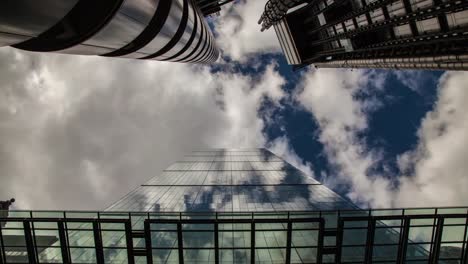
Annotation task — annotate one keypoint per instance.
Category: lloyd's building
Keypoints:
(165, 30)
(234, 206)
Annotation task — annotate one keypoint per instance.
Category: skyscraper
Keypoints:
(235, 206)
(399, 34)
(172, 30)
(231, 181)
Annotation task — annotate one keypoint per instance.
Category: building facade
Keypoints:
(235, 206)
(172, 30)
(231, 181)
(399, 34)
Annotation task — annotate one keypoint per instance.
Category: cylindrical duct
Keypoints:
(172, 30)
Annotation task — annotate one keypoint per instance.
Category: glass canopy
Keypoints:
(418, 235)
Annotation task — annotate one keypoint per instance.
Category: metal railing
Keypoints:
(430, 235)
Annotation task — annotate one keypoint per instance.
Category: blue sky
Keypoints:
(392, 127)
(79, 132)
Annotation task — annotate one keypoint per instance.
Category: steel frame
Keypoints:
(440, 221)
(252, 222)
(403, 240)
(413, 16)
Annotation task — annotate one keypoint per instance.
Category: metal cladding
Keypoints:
(275, 10)
(164, 30)
(392, 34)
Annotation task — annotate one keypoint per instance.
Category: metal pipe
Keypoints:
(446, 62)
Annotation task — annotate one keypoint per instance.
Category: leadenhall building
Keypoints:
(164, 30)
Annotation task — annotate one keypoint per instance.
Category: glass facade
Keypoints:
(231, 181)
(235, 206)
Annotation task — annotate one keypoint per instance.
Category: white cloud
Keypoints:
(79, 132)
(440, 162)
(282, 148)
(435, 172)
(238, 34)
(330, 95)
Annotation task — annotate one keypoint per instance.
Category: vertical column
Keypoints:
(442, 18)
(216, 240)
(403, 243)
(129, 242)
(180, 243)
(438, 237)
(339, 239)
(149, 250)
(252, 242)
(370, 240)
(408, 10)
(63, 242)
(29, 242)
(289, 242)
(98, 243)
(320, 241)
(2, 248)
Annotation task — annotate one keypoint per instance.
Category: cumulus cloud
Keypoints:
(433, 173)
(238, 34)
(79, 132)
(330, 95)
(282, 148)
(437, 167)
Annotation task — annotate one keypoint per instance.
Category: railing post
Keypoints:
(465, 243)
(288, 242)
(216, 240)
(29, 242)
(320, 240)
(129, 241)
(403, 243)
(339, 239)
(63, 242)
(180, 243)
(2, 247)
(438, 237)
(370, 240)
(98, 242)
(148, 244)
(252, 242)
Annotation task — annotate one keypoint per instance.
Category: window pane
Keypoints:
(199, 256)
(83, 255)
(165, 256)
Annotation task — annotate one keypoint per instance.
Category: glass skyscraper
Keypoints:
(235, 206)
(166, 30)
(231, 181)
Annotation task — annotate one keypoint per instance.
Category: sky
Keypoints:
(79, 132)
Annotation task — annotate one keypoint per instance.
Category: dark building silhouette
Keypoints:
(400, 34)
(209, 7)
(4, 207)
(165, 30)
